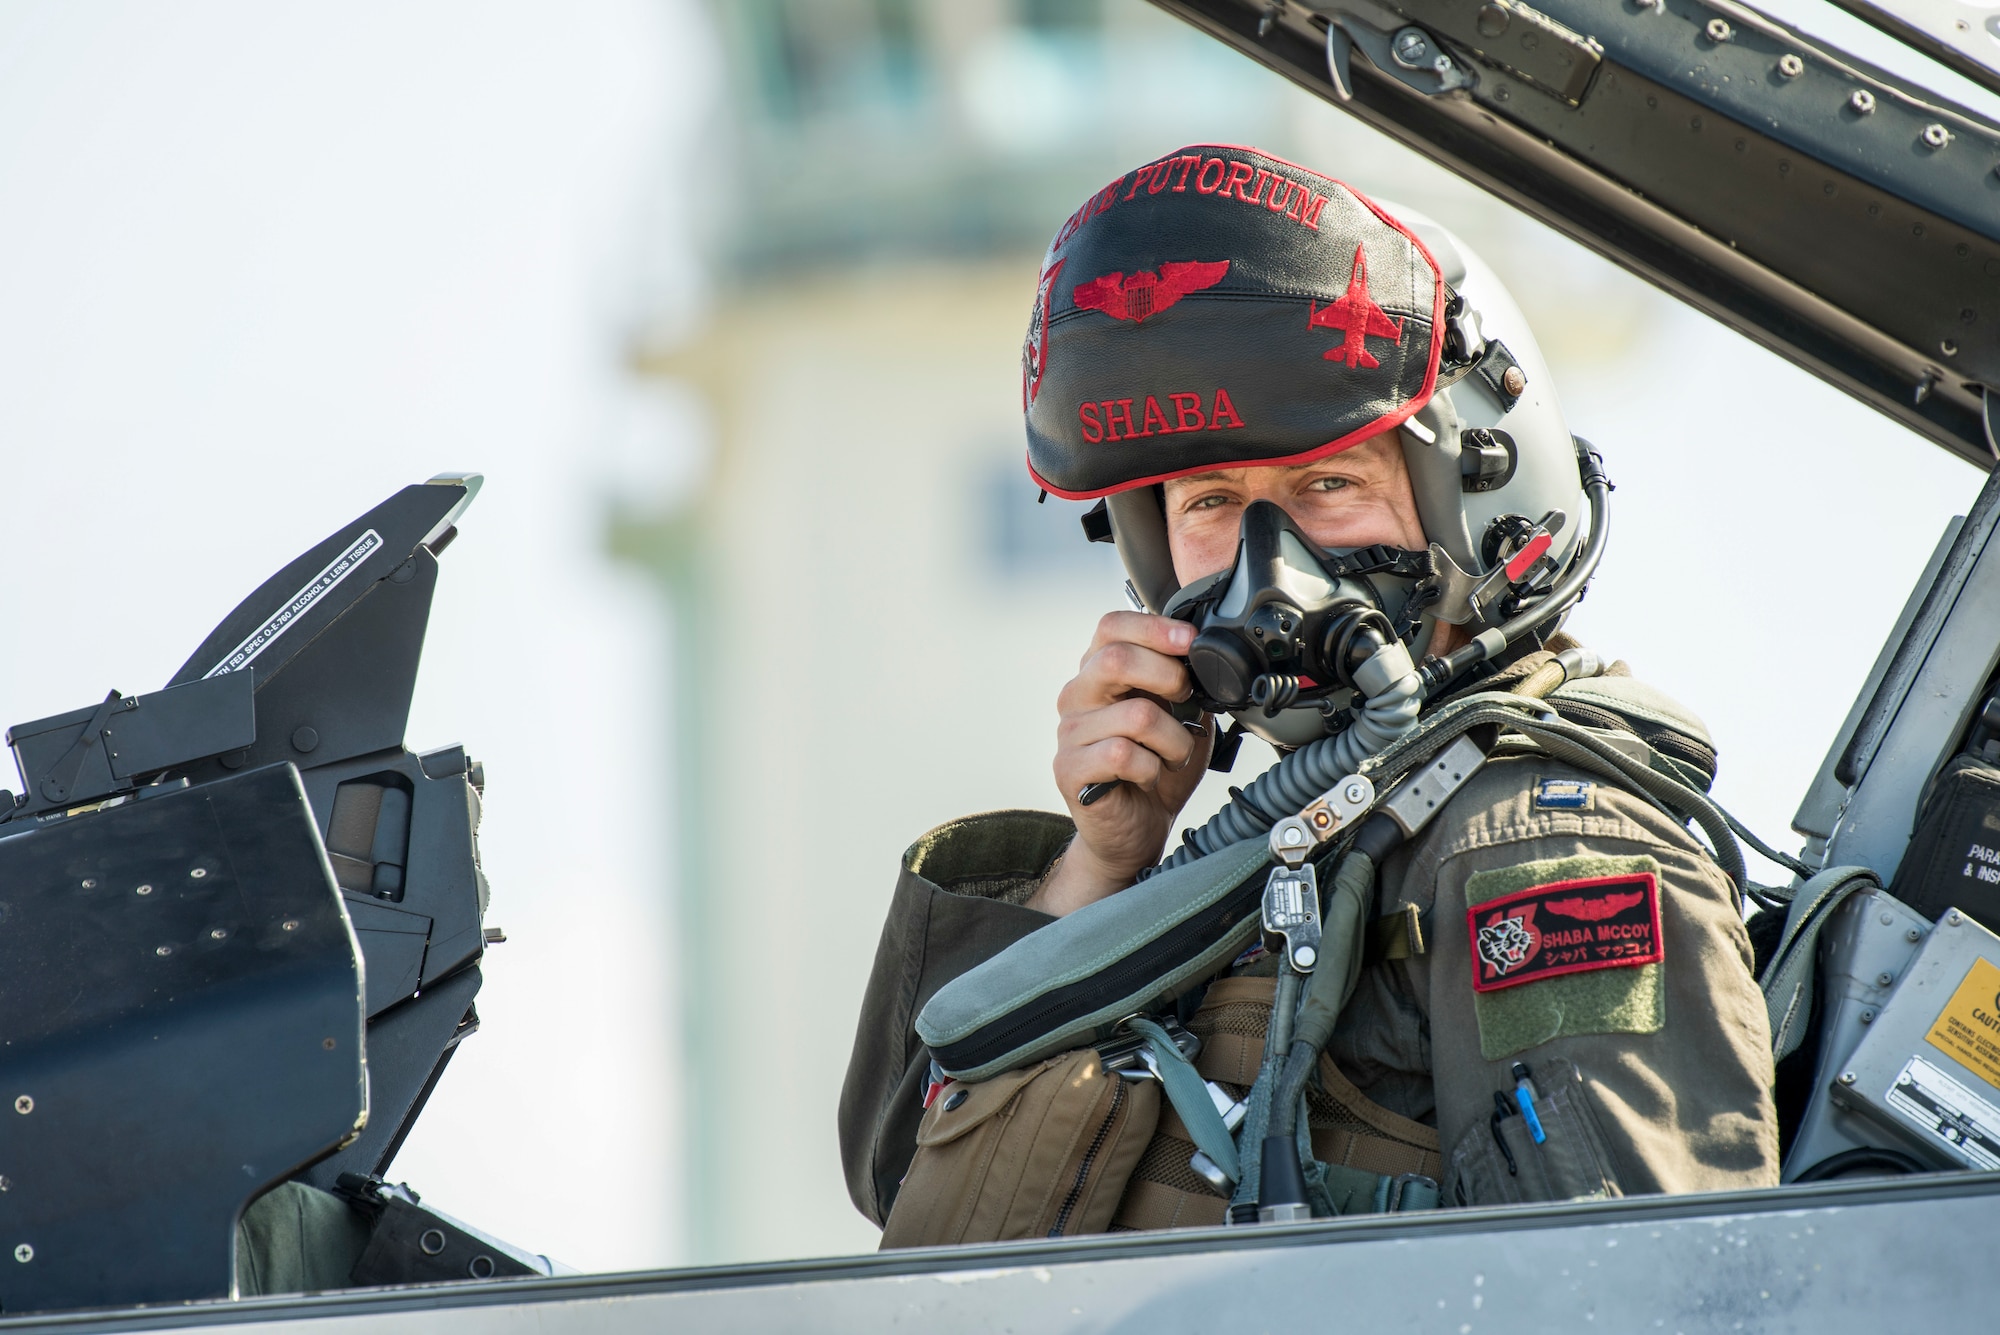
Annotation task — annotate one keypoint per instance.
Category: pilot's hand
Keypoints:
(1115, 725)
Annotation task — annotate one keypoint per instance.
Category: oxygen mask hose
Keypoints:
(1392, 694)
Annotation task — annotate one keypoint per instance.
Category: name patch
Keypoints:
(1563, 794)
(1605, 922)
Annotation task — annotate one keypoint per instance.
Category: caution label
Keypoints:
(1968, 1029)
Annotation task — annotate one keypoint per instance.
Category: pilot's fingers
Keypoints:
(1110, 758)
(1160, 634)
(1117, 670)
(1138, 719)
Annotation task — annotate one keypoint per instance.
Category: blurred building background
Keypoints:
(726, 300)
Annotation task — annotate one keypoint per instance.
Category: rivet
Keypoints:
(198, 873)
(1862, 101)
(1884, 979)
(1949, 347)
(1718, 31)
(480, 1267)
(431, 1241)
(24, 1253)
(1293, 834)
(163, 950)
(1790, 66)
(1887, 919)
(955, 1099)
(327, 1043)
(142, 890)
(305, 739)
(1913, 935)
(24, 1105)
(289, 925)
(1868, 1017)
(1936, 136)
(1514, 381)
(1306, 957)
(217, 933)
(90, 882)
(6, 1183)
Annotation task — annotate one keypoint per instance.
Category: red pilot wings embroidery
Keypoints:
(1596, 910)
(1356, 315)
(1142, 294)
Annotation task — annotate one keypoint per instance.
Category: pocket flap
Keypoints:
(950, 1117)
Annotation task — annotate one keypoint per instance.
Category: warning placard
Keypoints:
(1968, 1029)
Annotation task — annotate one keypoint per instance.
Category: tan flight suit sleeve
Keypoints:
(1651, 1078)
(959, 901)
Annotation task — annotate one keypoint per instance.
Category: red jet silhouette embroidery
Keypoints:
(1358, 316)
(1145, 294)
(1596, 910)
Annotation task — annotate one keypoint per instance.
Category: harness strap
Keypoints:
(1788, 981)
(1188, 1092)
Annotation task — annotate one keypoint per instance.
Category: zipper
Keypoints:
(1090, 1157)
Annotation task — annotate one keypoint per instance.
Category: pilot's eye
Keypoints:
(1329, 484)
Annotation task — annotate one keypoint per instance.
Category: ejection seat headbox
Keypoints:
(1222, 308)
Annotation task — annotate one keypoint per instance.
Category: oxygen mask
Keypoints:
(1285, 635)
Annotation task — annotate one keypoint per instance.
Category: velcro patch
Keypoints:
(1564, 794)
(1564, 927)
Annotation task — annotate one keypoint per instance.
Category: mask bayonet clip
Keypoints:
(1291, 893)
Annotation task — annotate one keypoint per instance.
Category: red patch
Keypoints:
(1145, 294)
(1608, 922)
(1357, 315)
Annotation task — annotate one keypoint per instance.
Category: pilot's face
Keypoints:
(1356, 498)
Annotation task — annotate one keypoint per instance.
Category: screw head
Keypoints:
(1790, 66)
(90, 882)
(1954, 919)
(142, 889)
(24, 1105)
(217, 933)
(1411, 48)
(327, 1043)
(1949, 347)
(6, 1183)
(24, 1253)
(1884, 979)
(1847, 1077)
(1913, 935)
(1862, 101)
(1718, 31)
(198, 873)
(1936, 136)
(1356, 793)
(163, 951)
(1868, 1016)
(289, 925)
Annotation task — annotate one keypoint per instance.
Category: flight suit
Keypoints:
(1567, 925)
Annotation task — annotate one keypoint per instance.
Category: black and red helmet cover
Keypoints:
(1218, 308)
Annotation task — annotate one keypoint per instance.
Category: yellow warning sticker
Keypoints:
(1968, 1029)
